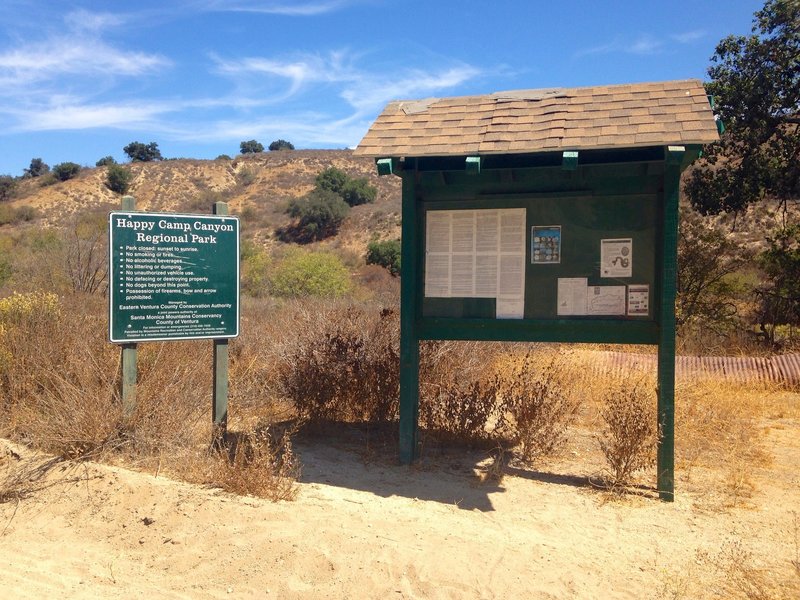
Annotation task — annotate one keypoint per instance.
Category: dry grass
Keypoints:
(720, 434)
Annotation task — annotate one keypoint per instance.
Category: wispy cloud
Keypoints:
(74, 56)
(70, 115)
(363, 90)
(688, 37)
(294, 9)
(642, 45)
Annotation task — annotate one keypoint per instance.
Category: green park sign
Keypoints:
(172, 277)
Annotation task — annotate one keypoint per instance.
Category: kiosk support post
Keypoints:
(666, 341)
(409, 340)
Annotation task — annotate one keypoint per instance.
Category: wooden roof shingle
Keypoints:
(525, 121)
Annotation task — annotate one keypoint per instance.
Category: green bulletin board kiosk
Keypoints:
(542, 215)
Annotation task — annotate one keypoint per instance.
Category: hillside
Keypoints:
(256, 187)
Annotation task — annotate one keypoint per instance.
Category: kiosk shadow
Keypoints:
(359, 458)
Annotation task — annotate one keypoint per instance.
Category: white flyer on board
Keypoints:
(572, 292)
(605, 300)
(616, 257)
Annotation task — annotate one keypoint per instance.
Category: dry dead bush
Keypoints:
(349, 371)
(460, 411)
(628, 440)
(538, 405)
(254, 462)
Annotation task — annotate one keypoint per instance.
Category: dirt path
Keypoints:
(375, 530)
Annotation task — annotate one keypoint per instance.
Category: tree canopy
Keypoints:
(141, 152)
(37, 168)
(251, 147)
(755, 81)
(281, 145)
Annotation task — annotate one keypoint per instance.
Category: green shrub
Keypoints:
(66, 170)
(385, 254)
(223, 157)
(304, 273)
(118, 179)
(359, 191)
(317, 215)
(8, 186)
(105, 161)
(332, 179)
(255, 264)
(6, 270)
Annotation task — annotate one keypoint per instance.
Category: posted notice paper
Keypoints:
(605, 300)
(638, 300)
(616, 258)
(477, 254)
(572, 296)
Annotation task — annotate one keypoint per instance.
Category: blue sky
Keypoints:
(80, 79)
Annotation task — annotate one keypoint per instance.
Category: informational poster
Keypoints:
(638, 300)
(616, 257)
(572, 296)
(605, 300)
(546, 244)
(477, 254)
(173, 277)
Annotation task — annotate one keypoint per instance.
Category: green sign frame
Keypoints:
(172, 277)
(623, 197)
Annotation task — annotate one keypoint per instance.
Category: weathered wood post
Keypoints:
(219, 401)
(129, 351)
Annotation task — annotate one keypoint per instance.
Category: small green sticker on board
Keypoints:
(173, 277)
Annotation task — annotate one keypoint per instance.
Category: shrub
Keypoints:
(223, 157)
(255, 464)
(386, 254)
(66, 170)
(536, 409)
(304, 273)
(255, 265)
(359, 191)
(141, 152)
(318, 215)
(251, 147)
(245, 176)
(11, 215)
(628, 441)
(281, 145)
(6, 270)
(37, 168)
(460, 411)
(8, 185)
(332, 179)
(105, 161)
(349, 371)
(118, 179)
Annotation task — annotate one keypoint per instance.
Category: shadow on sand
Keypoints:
(363, 458)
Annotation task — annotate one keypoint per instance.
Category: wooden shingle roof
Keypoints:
(524, 121)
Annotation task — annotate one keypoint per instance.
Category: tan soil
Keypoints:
(363, 527)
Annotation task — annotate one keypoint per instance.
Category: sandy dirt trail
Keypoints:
(376, 530)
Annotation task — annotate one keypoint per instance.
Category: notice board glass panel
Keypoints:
(587, 257)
